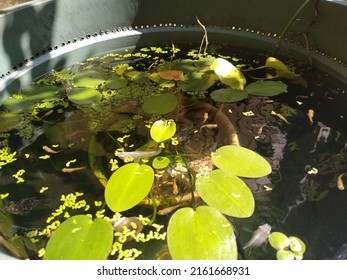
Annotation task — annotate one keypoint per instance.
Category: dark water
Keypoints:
(300, 197)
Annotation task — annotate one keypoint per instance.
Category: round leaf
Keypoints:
(227, 193)
(203, 233)
(296, 245)
(266, 88)
(197, 81)
(161, 162)
(228, 95)
(228, 74)
(285, 255)
(84, 96)
(88, 79)
(80, 238)
(116, 82)
(278, 240)
(160, 104)
(128, 185)
(163, 130)
(241, 161)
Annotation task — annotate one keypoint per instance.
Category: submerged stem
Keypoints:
(154, 204)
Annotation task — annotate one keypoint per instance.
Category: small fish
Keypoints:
(19, 230)
(138, 154)
(24, 206)
(259, 237)
(49, 150)
(73, 169)
(209, 126)
(340, 184)
(310, 115)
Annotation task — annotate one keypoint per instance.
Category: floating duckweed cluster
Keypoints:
(132, 233)
(6, 156)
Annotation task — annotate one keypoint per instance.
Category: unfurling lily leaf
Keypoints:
(282, 71)
(228, 74)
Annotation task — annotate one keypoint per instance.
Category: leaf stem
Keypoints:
(291, 23)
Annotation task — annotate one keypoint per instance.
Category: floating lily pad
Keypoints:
(171, 75)
(9, 121)
(87, 240)
(266, 88)
(160, 104)
(163, 130)
(184, 65)
(241, 161)
(228, 95)
(19, 105)
(37, 93)
(201, 234)
(227, 193)
(278, 240)
(116, 82)
(285, 255)
(164, 83)
(88, 79)
(197, 81)
(296, 245)
(136, 76)
(161, 162)
(128, 185)
(84, 96)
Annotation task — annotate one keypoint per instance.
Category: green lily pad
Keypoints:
(31, 94)
(266, 88)
(155, 77)
(80, 238)
(296, 245)
(136, 76)
(9, 121)
(161, 162)
(88, 79)
(20, 105)
(228, 95)
(184, 65)
(128, 185)
(241, 161)
(37, 93)
(163, 130)
(201, 234)
(197, 81)
(285, 255)
(116, 82)
(227, 193)
(84, 96)
(160, 104)
(278, 240)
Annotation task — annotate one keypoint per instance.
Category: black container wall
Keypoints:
(43, 35)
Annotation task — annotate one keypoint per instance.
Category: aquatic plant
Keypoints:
(133, 116)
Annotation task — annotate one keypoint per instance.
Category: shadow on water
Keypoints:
(30, 39)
